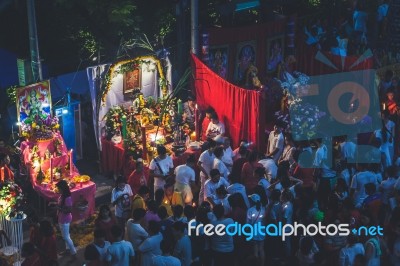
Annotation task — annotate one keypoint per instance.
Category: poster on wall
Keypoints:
(34, 100)
(133, 80)
(218, 60)
(245, 56)
(275, 49)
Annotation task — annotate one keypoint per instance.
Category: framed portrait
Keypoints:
(275, 52)
(245, 56)
(132, 80)
(218, 60)
(33, 100)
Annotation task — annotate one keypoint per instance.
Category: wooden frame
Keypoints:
(42, 99)
(219, 60)
(275, 52)
(132, 80)
(245, 55)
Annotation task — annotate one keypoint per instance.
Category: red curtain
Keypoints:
(239, 109)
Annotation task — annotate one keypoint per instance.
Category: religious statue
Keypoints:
(252, 81)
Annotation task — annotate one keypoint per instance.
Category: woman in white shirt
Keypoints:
(256, 215)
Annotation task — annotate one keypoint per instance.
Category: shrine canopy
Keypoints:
(241, 110)
(121, 81)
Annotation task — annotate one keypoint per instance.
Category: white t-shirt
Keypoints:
(276, 141)
(184, 174)
(210, 188)
(287, 212)
(214, 130)
(166, 261)
(222, 243)
(348, 150)
(119, 253)
(228, 156)
(358, 182)
(150, 248)
(225, 203)
(207, 161)
(387, 187)
(136, 234)
(382, 12)
(254, 216)
(239, 188)
(183, 251)
(348, 254)
(223, 170)
(103, 250)
(321, 155)
(271, 169)
(165, 165)
(265, 184)
(124, 204)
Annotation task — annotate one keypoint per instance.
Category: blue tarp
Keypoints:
(77, 82)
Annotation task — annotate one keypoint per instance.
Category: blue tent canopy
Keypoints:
(77, 82)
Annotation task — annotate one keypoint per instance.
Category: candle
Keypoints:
(144, 143)
(180, 107)
(70, 163)
(2, 175)
(123, 120)
(384, 106)
(196, 123)
(51, 169)
(193, 136)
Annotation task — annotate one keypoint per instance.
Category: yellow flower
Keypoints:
(33, 125)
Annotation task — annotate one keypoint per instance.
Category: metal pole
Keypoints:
(195, 26)
(33, 42)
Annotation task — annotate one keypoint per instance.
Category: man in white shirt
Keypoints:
(357, 187)
(151, 246)
(211, 185)
(236, 187)
(136, 233)
(120, 253)
(166, 259)
(161, 167)
(205, 164)
(271, 169)
(183, 246)
(185, 178)
(276, 143)
(227, 158)
(347, 150)
(215, 127)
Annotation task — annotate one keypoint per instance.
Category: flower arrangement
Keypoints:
(40, 126)
(113, 119)
(11, 198)
(57, 146)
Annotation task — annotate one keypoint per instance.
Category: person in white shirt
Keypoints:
(185, 178)
(121, 252)
(236, 187)
(387, 186)
(222, 199)
(227, 158)
(222, 246)
(151, 246)
(357, 191)
(256, 214)
(218, 164)
(384, 136)
(390, 126)
(166, 259)
(121, 198)
(183, 246)
(275, 143)
(211, 185)
(101, 244)
(270, 166)
(288, 152)
(259, 174)
(205, 164)
(350, 251)
(135, 232)
(347, 150)
(215, 127)
(161, 168)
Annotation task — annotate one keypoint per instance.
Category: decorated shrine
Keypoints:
(45, 155)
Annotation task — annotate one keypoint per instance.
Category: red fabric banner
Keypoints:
(241, 110)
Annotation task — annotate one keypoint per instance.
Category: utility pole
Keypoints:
(194, 18)
(34, 42)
